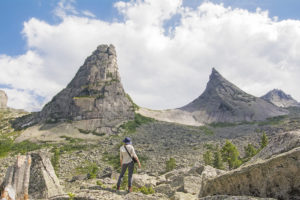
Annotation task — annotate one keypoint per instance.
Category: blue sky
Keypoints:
(13, 13)
(161, 44)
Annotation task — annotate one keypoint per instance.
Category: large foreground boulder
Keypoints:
(277, 177)
(31, 177)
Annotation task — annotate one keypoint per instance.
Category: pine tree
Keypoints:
(208, 158)
(264, 141)
(230, 155)
(250, 151)
(218, 162)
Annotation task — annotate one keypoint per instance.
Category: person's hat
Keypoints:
(127, 140)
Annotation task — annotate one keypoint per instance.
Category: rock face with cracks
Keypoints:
(95, 98)
(277, 177)
(32, 177)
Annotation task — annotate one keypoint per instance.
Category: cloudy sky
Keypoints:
(166, 48)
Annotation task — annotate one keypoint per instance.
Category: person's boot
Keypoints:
(130, 189)
(118, 187)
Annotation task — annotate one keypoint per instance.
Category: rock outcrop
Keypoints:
(280, 99)
(278, 144)
(277, 177)
(222, 101)
(32, 177)
(3, 100)
(95, 96)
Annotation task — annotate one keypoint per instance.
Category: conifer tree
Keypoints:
(208, 158)
(218, 162)
(264, 141)
(230, 155)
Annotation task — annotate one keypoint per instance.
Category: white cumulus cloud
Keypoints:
(161, 66)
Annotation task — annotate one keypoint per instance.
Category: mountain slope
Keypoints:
(280, 99)
(95, 95)
(222, 101)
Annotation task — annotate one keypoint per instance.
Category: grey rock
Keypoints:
(140, 180)
(277, 177)
(3, 100)
(222, 101)
(183, 196)
(227, 197)
(95, 97)
(280, 99)
(32, 177)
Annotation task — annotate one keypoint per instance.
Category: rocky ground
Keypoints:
(155, 142)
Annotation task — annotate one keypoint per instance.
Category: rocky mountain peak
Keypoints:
(280, 98)
(220, 85)
(223, 101)
(3, 100)
(95, 96)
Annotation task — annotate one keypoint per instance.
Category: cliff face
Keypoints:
(280, 99)
(95, 95)
(222, 101)
(3, 100)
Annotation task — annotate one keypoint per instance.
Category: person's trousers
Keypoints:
(130, 167)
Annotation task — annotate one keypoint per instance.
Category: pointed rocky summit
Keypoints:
(95, 96)
(222, 101)
(280, 99)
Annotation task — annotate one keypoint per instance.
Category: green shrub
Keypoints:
(170, 164)
(146, 190)
(71, 196)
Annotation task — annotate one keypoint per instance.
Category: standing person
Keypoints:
(127, 154)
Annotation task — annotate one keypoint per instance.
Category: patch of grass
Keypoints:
(206, 130)
(130, 126)
(113, 160)
(274, 120)
(55, 160)
(73, 147)
(84, 96)
(89, 168)
(5, 147)
(25, 146)
(71, 139)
